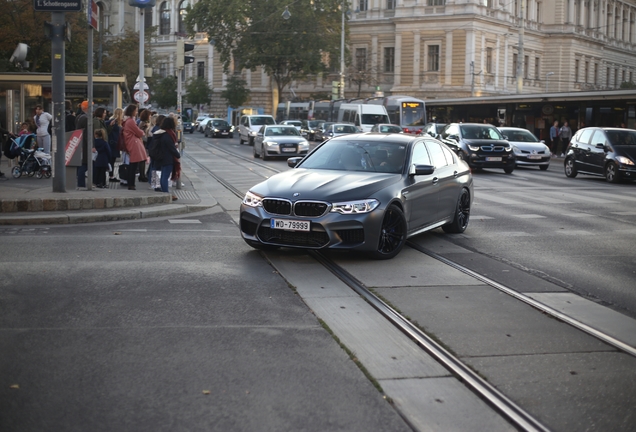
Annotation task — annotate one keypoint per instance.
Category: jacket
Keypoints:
(103, 153)
(132, 137)
(166, 148)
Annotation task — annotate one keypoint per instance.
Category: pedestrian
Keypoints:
(145, 125)
(42, 121)
(101, 160)
(133, 143)
(24, 129)
(554, 137)
(99, 120)
(565, 134)
(4, 140)
(154, 172)
(114, 123)
(81, 122)
(69, 119)
(167, 155)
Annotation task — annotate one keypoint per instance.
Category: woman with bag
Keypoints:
(114, 123)
(133, 143)
(166, 154)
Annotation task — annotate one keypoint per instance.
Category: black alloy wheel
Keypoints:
(509, 170)
(462, 215)
(544, 167)
(611, 173)
(392, 234)
(570, 169)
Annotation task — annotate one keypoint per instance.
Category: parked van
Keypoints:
(249, 125)
(363, 115)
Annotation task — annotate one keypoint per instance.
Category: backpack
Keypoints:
(154, 148)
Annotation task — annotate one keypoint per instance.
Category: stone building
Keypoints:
(438, 48)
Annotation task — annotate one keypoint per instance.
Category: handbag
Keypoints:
(123, 172)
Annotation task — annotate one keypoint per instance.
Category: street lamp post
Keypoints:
(547, 80)
(342, 54)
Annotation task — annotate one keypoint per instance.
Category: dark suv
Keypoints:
(607, 152)
(480, 145)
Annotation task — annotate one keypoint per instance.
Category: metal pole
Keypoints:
(58, 89)
(520, 60)
(89, 126)
(179, 122)
(141, 57)
(342, 53)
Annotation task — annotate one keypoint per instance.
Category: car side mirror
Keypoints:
(292, 162)
(600, 146)
(505, 137)
(421, 170)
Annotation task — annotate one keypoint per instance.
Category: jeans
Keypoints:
(166, 170)
(81, 175)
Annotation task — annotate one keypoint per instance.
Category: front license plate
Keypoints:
(289, 225)
(223, 133)
(288, 150)
(493, 159)
(534, 156)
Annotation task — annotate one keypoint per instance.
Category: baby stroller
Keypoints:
(30, 161)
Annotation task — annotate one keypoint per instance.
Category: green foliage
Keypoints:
(252, 33)
(628, 85)
(236, 93)
(198, 92)
(165, 92)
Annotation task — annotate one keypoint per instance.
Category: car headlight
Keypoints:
(252, 133)
(303, 145)
(252, 200)
(508, 149)
(355, 207)
(625, 161)
(473, 148)
(516, 149)
(216, 131)
(270, 143)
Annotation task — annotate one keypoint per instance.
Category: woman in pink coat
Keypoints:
(133, 142)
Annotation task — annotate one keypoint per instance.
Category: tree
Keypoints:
(358, 77)
(628, 85)
(252, 33)
(165, 92)
(20, 23)
(235, 93)
(198, 92)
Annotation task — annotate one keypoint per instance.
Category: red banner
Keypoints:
(74, 143)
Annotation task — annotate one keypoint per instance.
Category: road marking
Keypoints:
(627, 213)
(530, 216)
(574, 232)
(184, 221)
(578, 215)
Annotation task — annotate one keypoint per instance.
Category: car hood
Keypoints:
(484, 142)
(529, 146)
(629, 151)
(324, 185)
(285, 139)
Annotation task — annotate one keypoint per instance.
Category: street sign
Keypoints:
(141, 97)
(93, 14)
(57, 5)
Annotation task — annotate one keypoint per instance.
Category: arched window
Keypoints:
(164, 20)
(182, 13)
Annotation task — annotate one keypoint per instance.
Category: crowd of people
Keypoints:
(145, 141)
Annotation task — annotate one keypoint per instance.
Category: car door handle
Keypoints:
(435, 180)
(455, 174)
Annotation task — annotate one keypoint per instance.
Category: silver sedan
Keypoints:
(279, 141)
(528, 150)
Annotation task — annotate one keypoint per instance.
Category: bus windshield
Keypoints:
(413, 115)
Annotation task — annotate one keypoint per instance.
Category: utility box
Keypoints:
(73, 156)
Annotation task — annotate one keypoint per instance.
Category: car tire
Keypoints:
(509, 170)
(392, 234)
(241, 140)
(261, 246)
(570, 170)
(205, 133)
(544, 167)
(250, 141)
(462, 156)
(230, 136)
(611, 173)
(256, 155)
(462, 215)
(264, 154)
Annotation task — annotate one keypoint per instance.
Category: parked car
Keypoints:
(607, 152)
(249, 125)
(187, 125)
(387, 128)
(528, 150)
(364, 192)
(295, 123)
(480, 145)
(337, 129)
(218, 127)
(433, 129)
(309, 128)
(279, 140)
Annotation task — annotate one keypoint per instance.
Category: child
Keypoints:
(100, 161)
(24, 129)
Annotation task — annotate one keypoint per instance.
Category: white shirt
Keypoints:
(45, 119)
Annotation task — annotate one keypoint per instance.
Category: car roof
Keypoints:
(372, 137)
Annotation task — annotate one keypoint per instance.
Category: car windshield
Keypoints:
(390, 129)
(260, 121)
(343, 155)
(219, 123)
(480, 132)
(622, 137)
(293, 123)
(519, 135)
(281, 131)
(313, 124)
(344, 129)
(375, 118)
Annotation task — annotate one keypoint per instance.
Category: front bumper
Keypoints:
(480, 160)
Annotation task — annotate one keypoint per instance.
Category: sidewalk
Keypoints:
(29, 201)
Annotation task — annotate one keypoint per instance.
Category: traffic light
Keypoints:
(182, 49)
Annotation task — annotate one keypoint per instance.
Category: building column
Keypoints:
(506, 57)
(398, 60)
(569, 19)
(211, 66)
(497, 51)
(375, 68)
(448, 66)
(416, 58)
(470, 57)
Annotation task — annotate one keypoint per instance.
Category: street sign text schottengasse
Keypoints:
(57, 5)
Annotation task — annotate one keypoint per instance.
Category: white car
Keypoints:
(249, 125)
(528, 150)
(203, 123)
(295, 123)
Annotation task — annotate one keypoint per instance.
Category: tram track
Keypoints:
(515, 414)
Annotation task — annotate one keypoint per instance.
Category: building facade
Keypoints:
(436, 48)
